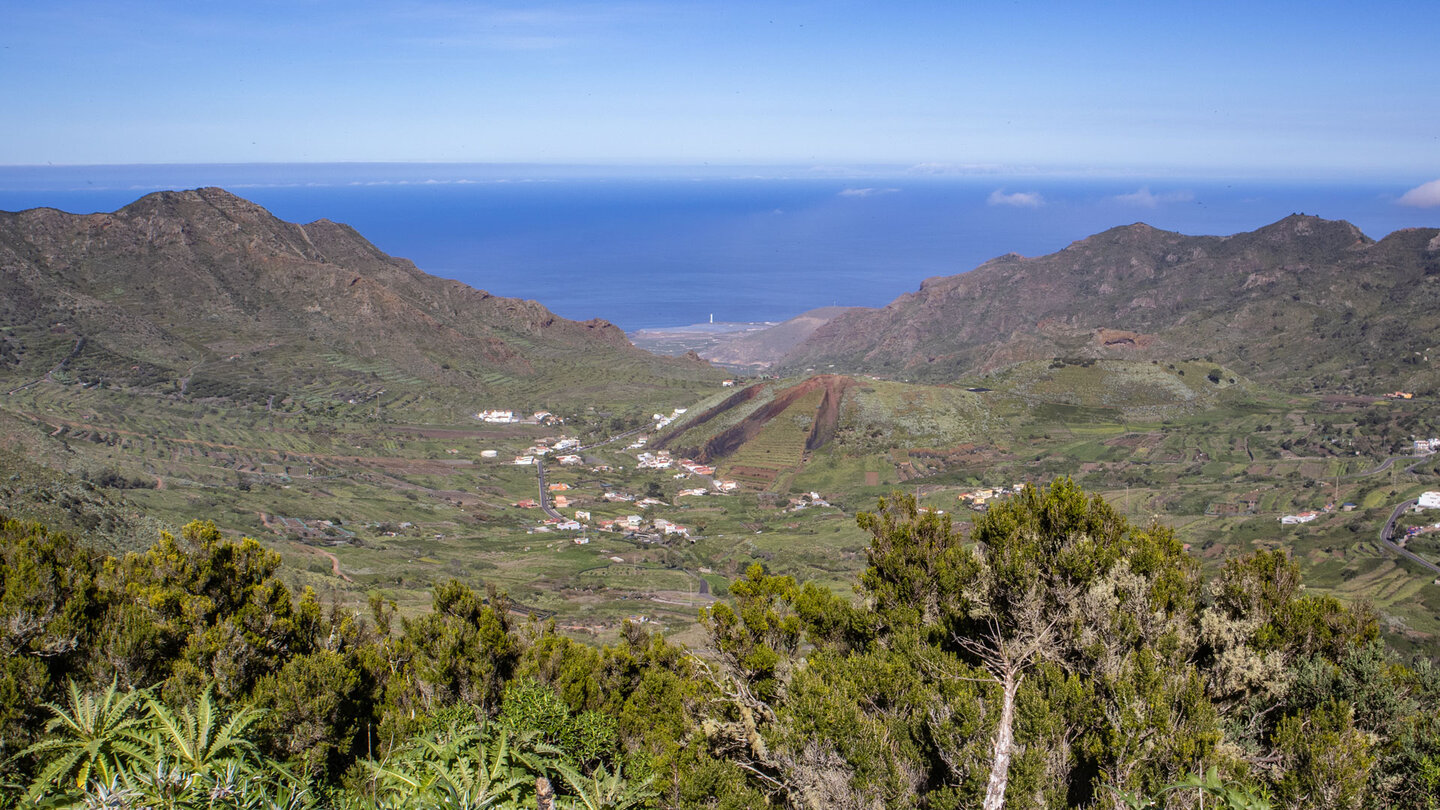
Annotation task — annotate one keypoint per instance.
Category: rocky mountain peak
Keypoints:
(1310, 228)
(1306, 299)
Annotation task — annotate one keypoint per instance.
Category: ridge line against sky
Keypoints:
(1260, 87)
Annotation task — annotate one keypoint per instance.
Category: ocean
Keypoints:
(651, 248)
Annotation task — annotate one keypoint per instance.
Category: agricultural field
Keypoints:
(358, 500)
(779, 448)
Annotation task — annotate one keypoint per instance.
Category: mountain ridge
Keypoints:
(184, 277)
(1314, 279)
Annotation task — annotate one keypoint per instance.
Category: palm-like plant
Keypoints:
(456, 767)
(602, 790)
(101, 753)
(92, 736)
(200, 738)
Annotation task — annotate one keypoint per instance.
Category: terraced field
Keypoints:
(779, 447)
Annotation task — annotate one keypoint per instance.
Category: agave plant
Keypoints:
(94, 737)
(164, 784)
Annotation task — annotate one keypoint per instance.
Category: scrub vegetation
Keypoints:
(1056, 655)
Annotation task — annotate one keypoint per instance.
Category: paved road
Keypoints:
(1387, 464)
(545, 492)
(640, 429)
(1389, 530)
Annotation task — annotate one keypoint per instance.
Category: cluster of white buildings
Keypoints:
(662, 460)
(628, 523)
(501, 417)
(654, 461)
(497, 417)
(1423, 446)
(695, 467)
(806, 501)
(979, 499)
(1303, 517)
(620, 524)
(542, 448)
(666, 527)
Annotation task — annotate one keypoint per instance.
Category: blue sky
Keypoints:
(1310, 89)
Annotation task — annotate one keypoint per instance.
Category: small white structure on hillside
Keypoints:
(1429, 500)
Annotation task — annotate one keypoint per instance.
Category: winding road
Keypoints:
(1388, 463)
(1389, 530)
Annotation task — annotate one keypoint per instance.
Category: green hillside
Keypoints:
(1304, 303)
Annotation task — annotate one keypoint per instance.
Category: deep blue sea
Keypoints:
(653, 248)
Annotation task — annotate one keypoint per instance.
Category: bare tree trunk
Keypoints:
(1004, 741)
(1006, 656)
(544, 794)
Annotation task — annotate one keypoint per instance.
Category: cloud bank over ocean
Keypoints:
(1019, 199)
(866, 192)
(1145, 198)
(1425, 195)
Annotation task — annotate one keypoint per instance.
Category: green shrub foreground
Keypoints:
(1055, 656)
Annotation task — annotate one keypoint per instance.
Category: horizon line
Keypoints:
(937, 170)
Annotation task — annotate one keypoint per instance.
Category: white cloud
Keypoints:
(1425, 195)
(866, 192)
(958, 168)
(1147, 199)
(1020, 199)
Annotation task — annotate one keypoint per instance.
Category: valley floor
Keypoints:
(359, 503)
